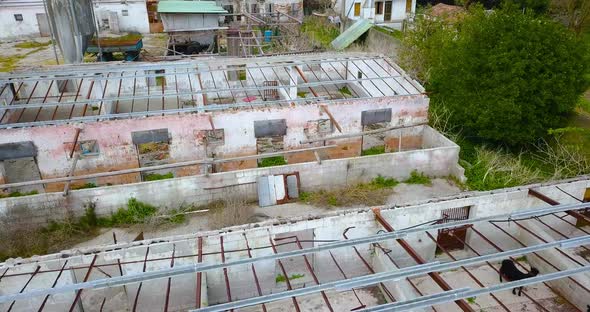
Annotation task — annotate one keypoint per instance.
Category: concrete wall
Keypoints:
(328, 227)
(116, 150)
(382, 43)
(12, 29)
(202, 189)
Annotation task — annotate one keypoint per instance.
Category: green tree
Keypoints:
(504, 75)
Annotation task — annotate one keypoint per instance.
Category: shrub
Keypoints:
(136, 212)
(381, 182)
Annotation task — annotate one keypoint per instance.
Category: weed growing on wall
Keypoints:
(85, 186)
(18, 194)
(375, 150)
(272, 161)
(157, 176)
(136, 212)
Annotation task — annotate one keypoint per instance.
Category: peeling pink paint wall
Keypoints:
(116, 150)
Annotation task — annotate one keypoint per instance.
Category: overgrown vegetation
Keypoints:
(229, 212)
(158, 176)
(281, 278)
(272, 161)
(345, 91)
(135, 212)
(319, 30)
(375, 150)
(418, 178)
(18, 194)
(371, 194)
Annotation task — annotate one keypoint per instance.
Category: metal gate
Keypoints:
(452, 238)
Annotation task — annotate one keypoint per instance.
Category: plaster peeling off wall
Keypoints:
(73, 22)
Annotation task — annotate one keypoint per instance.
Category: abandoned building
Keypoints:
(440, 255)
(116, 124)
(391, 13)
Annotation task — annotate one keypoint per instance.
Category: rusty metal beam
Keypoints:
(325, 109)
(199, 274)
(86, 277)
(53, 285)
(305, 80)
(226, 277)
(169, 280)
(147, 251)
(258, 288)
(274, 249)
(435, 276)
(25, 286)
(553, 202)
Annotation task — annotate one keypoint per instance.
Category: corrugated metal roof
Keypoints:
(175, 6)
(351, 34)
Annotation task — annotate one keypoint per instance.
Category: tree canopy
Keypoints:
(506, 76)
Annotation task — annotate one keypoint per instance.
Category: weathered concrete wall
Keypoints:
(203, 189)
(135, 21)
(13, 29)
(117, 151)
(328, 227)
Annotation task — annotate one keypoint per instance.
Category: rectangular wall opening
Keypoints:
(153, 149)
(452, 238)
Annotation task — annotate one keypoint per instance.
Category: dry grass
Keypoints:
(229, 212)
(366, 194)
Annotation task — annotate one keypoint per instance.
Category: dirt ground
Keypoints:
(11, 57)
(204, 221)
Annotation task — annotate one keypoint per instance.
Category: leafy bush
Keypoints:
(505, 76)
(272, 161)
(375, 150)
(418, 178)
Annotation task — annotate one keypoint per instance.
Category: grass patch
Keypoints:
(281, 278)
(319, 30)
(301, 94)
(521, 259)
(8, 63)
(375, 150)
(584, 104)
(371, 194)
(418, 178)
(471, 300)
(157, 176)
(84, 186)
(31, 44)
(390, 32)
(19, 194)
(272, 161)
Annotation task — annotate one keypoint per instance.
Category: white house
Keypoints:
(383, 12)
(27, 18)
